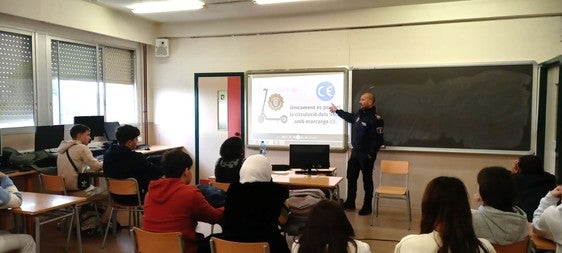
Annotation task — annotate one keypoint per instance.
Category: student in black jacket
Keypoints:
(531, 183)
(121, 162)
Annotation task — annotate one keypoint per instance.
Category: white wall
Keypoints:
(83, 15)
(477, 41)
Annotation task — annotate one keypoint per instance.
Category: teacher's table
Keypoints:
(158, 149)
(34, 204)
(295, 181)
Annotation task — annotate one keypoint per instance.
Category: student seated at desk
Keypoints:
(173, 205)
(446, 224)
(81, 156)
(10, 197)
(253, 206)
(227, 168)
(498, 219)
(121, 162)
(547, 219)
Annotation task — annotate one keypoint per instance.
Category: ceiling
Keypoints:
(240, 9)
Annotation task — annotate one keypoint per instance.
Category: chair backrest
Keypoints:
(223, 246)
(123, 187)
(152, 242)
(396, 168)
(517, 247)
(52, 184)
(222, 186)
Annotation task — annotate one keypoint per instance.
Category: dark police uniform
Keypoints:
(366, 139)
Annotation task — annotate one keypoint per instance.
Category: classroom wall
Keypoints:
(433, 43)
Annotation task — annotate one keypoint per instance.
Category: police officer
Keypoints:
(366, 139)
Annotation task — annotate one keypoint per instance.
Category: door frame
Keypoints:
(241, 75)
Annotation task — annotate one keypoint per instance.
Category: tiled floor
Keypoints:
(388, 229)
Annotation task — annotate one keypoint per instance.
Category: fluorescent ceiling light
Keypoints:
(166, 6)
(276, 1)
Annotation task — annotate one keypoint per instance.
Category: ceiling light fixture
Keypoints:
(276, 1)
(166, 6)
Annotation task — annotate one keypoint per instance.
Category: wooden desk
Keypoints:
(34, 204)
(540, 243)
(294, 181)
(157, 149)
(29, 177)
(298, 181)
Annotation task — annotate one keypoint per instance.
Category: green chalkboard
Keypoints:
(453, 108)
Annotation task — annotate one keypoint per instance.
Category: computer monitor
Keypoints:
(95, 123)
(110, 129)
(48, 137)
(309, 156)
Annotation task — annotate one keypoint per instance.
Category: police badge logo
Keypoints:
(275, 102)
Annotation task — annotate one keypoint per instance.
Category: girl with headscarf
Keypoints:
(253, 206)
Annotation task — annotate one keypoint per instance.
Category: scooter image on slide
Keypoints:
(275, 103)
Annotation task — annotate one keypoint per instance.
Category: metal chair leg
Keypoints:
(109, 224)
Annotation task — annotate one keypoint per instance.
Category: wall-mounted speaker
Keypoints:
(162, 48)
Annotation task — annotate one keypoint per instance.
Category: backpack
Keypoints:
(300, 203)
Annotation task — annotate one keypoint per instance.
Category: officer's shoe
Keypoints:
(365, 210)
(348, 205)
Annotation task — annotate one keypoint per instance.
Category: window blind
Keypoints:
(71, 61)
(16, 80)
(118, 65)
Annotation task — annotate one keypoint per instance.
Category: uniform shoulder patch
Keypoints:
(378, 116)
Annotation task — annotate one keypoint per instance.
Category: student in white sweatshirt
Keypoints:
(547, 219)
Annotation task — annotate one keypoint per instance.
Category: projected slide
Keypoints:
(292, 108)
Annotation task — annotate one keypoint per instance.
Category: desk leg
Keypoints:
(78, 235)
(37, 234)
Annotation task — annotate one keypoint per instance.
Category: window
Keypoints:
(16, 80)
(92, 80)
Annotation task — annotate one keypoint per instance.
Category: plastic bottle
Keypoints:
(263, 148)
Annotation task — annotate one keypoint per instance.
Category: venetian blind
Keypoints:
(16, 80)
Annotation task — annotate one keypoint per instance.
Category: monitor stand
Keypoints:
(310, 172)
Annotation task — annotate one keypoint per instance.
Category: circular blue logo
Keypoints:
(325, 91)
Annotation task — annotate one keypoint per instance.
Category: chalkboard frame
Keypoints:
(531, 133)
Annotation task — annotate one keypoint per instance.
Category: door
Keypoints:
(218, 115)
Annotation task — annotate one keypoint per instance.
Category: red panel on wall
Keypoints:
(234, 105)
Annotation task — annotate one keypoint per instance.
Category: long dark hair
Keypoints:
(445, 208)
(327, 229)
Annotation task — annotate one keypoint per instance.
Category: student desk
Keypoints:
(34, 204)
(29, 177)
(540, 244)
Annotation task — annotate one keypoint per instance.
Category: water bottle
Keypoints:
(263, 148)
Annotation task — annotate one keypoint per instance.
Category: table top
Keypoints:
(22, 173)
(157, 149)
(316, 181)
(36, 203)
(539, 242)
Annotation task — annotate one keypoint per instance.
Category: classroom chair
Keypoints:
(55, 185)
(223, 246)
(122, 187)
(152, 242)
(393, 191)
(517, 247)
